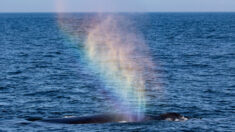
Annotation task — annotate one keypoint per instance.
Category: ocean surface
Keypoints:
(43, 73)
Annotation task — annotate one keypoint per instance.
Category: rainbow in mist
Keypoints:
(119, 56)
(113, 52)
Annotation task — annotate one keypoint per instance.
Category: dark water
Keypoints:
(43, 74)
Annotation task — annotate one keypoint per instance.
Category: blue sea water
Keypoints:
(43, 74)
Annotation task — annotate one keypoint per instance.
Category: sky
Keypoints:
(117, 5)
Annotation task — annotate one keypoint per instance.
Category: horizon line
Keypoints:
(122, 12)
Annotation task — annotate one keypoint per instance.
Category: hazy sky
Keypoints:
(117, 5)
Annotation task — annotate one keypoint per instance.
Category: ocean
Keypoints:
(43, 71)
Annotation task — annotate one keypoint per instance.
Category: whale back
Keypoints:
(104, 118)
(109, 118)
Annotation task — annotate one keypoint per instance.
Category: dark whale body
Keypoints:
(108, 118)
